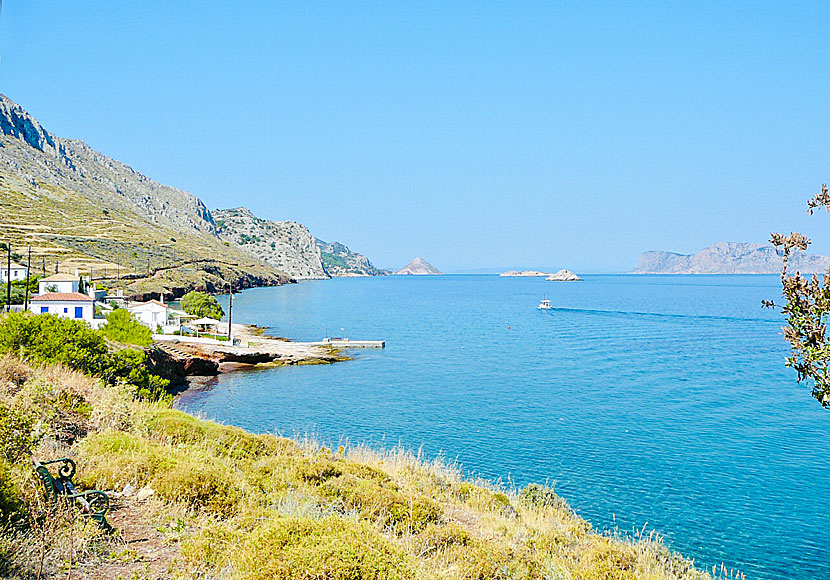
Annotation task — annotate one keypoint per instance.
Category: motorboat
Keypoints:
(544, 304)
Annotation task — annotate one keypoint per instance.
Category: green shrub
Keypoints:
(331, 548)
(198, 482)
(401, 513)
(438, 538)
(16, 432)
(176, 427)
(535, 495)
(52, 339)
(11, 506)
(122, 327)
(130, 366)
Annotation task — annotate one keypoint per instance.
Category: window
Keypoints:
(79, 312)
(44, 309)
(66, 310)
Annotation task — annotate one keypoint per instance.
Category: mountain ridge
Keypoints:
(728, 258)
(80, 209)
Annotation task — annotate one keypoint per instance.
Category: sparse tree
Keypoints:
(806, 306)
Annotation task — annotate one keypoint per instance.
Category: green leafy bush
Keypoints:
(122, 327)
(202, 305)
(52, 339)
(130, 366)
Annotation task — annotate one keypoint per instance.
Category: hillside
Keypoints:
(290, 247)
(78, 208)
(191, 498)
(728, 258)
(286, 245)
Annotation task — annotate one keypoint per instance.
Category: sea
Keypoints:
(651, 403)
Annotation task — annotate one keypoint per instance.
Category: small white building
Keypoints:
(58, 283)
(15, 273)
(72, 305)
(154, 314)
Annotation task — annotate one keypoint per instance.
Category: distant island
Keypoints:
(563, 276)
(728, 258)
(521, 273)
(418, 267)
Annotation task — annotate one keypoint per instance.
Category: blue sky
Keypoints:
(496, 134)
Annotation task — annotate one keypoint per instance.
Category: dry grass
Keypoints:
(232, 505)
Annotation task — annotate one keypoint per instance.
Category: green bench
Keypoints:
(93, 503)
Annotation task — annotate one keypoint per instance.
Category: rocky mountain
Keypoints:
(728, 258)
(290, 247)
(418, 267)
(33, 158)
(286, 245)
(79, 209)
(338, 260)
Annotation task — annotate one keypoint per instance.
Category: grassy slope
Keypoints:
(66, 227)
(232, 505)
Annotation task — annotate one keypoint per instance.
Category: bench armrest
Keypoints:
(66, 469)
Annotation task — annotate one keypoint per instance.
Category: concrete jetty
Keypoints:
(343, 343)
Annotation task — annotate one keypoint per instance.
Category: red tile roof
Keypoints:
(62, 297)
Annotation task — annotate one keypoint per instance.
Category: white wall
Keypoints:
(66, 287)
(64, 309)
(150, 316)
(17, 274)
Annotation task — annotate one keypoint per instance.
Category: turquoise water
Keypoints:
(660, 401)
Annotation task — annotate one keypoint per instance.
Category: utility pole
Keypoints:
(28, 271)
(9, 279)
(230, 315)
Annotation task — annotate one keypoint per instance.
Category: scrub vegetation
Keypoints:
(194, 499)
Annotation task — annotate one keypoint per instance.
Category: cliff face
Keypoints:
(341, 261)
(288, 246)
(728, 258)
(418, 267)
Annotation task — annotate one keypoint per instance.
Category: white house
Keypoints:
(72, 305)
(16, 272)
(154, 314)
(60, 283)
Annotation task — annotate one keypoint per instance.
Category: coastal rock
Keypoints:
(418, 267)
(286, 245)
(728, 258)
(563, 276)
(525, 273)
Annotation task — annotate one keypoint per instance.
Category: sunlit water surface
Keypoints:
(660, 401)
